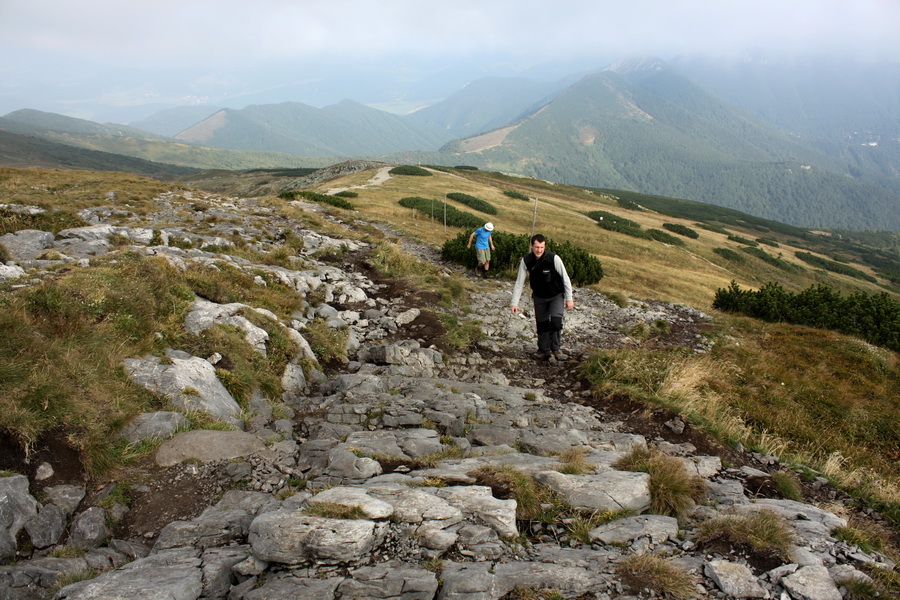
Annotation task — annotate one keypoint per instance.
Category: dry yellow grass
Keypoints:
(637, 268)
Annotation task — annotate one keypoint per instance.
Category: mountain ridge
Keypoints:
(697, 145)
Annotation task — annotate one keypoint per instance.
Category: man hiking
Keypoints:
(483, 246)
(551, 289)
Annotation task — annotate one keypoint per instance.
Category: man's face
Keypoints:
(537, 248)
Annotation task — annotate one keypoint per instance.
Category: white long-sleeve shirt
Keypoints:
(523, 271)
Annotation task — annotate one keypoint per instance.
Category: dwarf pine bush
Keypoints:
(473, 202)
(583, 269)
(339, 202)
(440, 210)
(729, 254)
(681, 230)
(873, 317)
(410, 170)
(516, 195)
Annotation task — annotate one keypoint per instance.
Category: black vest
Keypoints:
(544, 280)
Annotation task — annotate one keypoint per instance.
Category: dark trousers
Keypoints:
(548, 314)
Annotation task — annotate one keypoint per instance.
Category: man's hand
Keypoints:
(570, 304)
(514, 309)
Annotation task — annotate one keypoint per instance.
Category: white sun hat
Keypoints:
(489, 226)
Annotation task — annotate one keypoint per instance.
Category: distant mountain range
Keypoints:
(346, 128)
(816, 145)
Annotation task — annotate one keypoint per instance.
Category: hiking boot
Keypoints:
(559, 355)
(541, 356)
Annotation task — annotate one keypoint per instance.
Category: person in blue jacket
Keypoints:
(483, 246)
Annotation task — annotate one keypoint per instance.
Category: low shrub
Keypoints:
(712, 227)
(440, 210)
(875, 318)
(516, 195)
(473, 202)
(583, 269)
(661, 236)
(316, 197)
(612, 222)
(347, 194)
(729, 254)
(742, 240)
(681, 230)
(410, 170)
(629, 204)
(772, 260)
(834, 266)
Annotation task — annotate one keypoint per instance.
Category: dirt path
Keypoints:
(379, 178)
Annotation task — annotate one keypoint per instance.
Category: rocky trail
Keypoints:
(383, 477)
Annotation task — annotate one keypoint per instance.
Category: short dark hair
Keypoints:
(538, 238)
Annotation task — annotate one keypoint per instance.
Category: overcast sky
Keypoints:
(209, 32)
(61, 40)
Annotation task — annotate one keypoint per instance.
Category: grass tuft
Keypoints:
(673, 491)
(574, 462)
(762, 532)
(649, 571)
(788, 485)
(508, 482)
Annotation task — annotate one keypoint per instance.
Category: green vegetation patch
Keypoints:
(516, 195)
(775, 261)
(834, 266)
(681, 230)
(410, 170)
(441, 211)
(873, 317)
(661, 236)
(583, 269)
(53, 221)
(613, 222)
(473, 202)
(691, 210)
(63, 343)
(729, 254)
(742, 240)
(339, 202)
